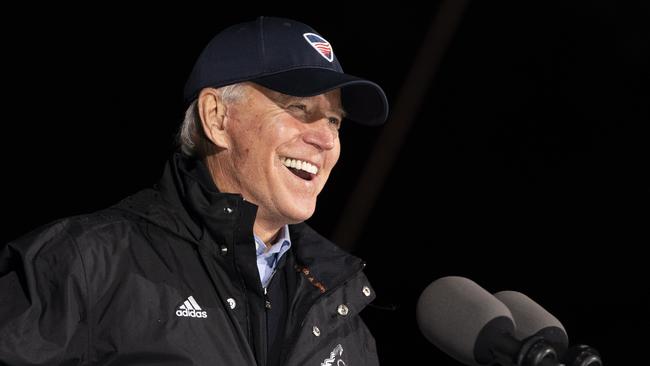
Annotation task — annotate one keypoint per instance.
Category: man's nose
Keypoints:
(320, 134)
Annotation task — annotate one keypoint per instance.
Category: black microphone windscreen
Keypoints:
(532, 319)
(452, 311)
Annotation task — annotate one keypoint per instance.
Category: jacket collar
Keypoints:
(192, 207)
(187, 183)
(320, 259)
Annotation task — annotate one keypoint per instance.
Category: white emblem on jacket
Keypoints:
(190, 308)
(337, 351)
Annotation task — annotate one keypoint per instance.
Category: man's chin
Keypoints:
(300, 214)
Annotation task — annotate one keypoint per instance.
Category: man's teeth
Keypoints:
(300, 165)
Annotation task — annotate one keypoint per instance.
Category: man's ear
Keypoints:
(212, 112)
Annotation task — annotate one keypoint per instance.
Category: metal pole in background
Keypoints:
(410, 98)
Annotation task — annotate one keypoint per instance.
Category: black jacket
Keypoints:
(169, 277)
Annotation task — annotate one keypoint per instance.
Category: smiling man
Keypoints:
(276, 150)
(214, 265)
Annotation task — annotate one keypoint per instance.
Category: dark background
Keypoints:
(526, 167)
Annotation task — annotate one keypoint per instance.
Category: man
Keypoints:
(214, 266)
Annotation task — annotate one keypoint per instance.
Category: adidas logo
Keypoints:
(191, 309)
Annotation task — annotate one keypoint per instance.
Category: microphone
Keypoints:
(474, 327)
(534, 320)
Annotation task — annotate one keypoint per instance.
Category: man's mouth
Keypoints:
(302, 169)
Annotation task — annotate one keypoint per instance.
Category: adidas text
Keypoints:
(192, 313)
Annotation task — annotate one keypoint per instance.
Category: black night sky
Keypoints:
(525, 167)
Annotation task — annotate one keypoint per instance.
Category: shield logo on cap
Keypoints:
(321, 45)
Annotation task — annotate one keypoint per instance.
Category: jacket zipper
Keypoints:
(267, 308)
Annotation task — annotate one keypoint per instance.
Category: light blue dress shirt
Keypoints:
(268, 259)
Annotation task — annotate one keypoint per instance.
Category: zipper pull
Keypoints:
(267, 303)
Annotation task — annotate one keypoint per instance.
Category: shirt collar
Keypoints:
(281, 245)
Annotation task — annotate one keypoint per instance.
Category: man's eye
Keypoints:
(301, 107)
(335, 121)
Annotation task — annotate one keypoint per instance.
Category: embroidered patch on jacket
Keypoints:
(190, 308)
(335, 358)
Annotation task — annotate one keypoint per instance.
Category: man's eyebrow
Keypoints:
(340, 111)
(336, 110)
(286, 99)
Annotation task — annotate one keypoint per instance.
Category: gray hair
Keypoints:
(191, 139)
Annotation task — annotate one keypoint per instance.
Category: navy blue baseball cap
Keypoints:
(286, 56)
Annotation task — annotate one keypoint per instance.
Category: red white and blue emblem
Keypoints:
(319, 43)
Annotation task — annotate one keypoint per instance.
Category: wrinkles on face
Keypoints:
(265, 128)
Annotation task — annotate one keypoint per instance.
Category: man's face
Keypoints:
(282, 150)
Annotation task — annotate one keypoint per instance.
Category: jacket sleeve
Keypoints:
(43, 318)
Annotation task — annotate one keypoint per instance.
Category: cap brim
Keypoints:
(363, 100)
